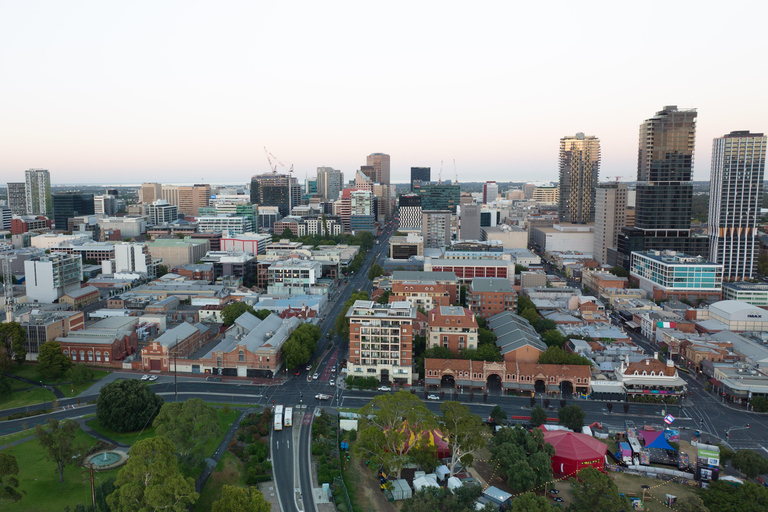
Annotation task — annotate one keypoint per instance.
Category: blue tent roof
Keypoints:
(658, 442)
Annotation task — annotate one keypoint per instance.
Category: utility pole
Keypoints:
(175, 383)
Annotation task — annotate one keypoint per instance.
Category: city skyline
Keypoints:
(194, 91)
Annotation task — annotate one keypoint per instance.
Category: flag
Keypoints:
(668, 419)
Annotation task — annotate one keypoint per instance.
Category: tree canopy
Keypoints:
(524, 303)
(523, 456)
(341, 326)
(571, 416)
(237, 499)
(12, 338)
(79, 373)
(232, 312)
(9, 468)
(498, 415)
(301, 344)
(51, 361)
(556, 355)
(431, 499)
(375, 271)
(188, 425)
(529, 502)
(58, 440)
(750, 463)
(594, 490)
(538, 416)
(151, 480)
(723, 497)
(463, 432)
(127, 405)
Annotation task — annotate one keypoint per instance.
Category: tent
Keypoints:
(574, 452)
(656, 440)
(421, 482)
(430, 438)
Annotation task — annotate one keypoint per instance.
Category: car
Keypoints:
(213, 379)
(554, 491)
(145, 377)
(333, 369)
(316, 376)
(298, 372)
(558, 499)
(309, 367)
(153, 378)
(385, 388)
(322, 397)
(433, 397)
(331, 382)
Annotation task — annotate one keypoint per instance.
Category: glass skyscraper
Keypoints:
(579, 169)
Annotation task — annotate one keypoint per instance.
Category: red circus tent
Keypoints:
(574, 452)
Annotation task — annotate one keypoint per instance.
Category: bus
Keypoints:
(683, 369)
(288, 417)
(278, 417)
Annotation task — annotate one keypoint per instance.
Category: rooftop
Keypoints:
(82, 292)
(491, 284)
(415, 275)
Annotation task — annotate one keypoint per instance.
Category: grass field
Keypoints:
(16, 436)
(128, 438)
(229, 471)
(32, 396)
(225, 421)
(40, 479)
(29, 371)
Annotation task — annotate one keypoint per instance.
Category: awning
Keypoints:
(715, 382)
(432, 380)
(553, 387)
(632, 325)
(525, 386)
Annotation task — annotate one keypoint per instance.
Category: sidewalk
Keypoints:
(37, 383)
(211, 462)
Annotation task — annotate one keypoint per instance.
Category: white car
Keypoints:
(322, 397)
(385, 388)
(433, 397)
(331, 382)
(316, 376)
(145, 377)
(153, 378)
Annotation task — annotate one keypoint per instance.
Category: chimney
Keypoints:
(647, 362)
(655, 355)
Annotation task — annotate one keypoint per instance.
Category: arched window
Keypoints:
(106, 357)
(98, 357)
(90, 355)
(82, 355)
(218, 361)
(241, 356)
(66, 352)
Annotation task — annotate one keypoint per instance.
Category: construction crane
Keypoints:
(617, 177)
(455, 171)
(273, 166)
(440, 174)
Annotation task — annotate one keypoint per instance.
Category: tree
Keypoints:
(127, 405)
(463, 431)
(262, 314)
(572, 417)
(58, 441)
(523, 457)
(51, 361)
(232, 312)
(301, 345)
(691, 504)
(9, 468)
(520, 268)
(524, 303)
(619, 271)
(556, 355)
(341, 326)
(104, 489)
(188, 425)
(538, 416)
(485, 337)
(237, 499)
(162, 270)
(385, 427)
(594, 490)
(529, 502)
(12, 337)
(750, 463)
(723, 497)
(151, 480)
(498, 415)
(759, 403)
(375, 271)
(79, 373)
(431, 499)
(531, 315)
(553, 338)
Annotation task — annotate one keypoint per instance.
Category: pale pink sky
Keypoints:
(179, 91)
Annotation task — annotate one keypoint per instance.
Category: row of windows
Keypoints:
(525, 378)
(90, 355)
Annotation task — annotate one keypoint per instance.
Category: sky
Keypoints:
(185, 91)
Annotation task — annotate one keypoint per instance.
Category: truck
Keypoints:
(278, 417)
(288, 417)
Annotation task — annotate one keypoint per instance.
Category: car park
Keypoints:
(385, 388)
(433, 397)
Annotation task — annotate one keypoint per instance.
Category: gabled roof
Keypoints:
(247, 321)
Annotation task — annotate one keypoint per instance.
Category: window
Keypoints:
(90, 355)
(66, 352)
(218, 361)
(106, 357)
(241, 356)
(82, 355)
(98, 357)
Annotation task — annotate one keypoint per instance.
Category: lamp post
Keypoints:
(175, 383)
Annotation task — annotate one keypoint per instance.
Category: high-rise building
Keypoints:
(5, 218)
(546, 195)
(380, 164)
(170, 193)
(295, 193)
(410, 211)
(104, 205)
(436, 228)
(272, 190)
(135, 258)
(48, 277)
(735, 198)
(38, 192)
(664, 193)
(470, 222)
(191, 199)
(579, 168)
(17, 198)
(490, 192)
(436, 196)
(162, 212)
(610, 217)
(329, 183)
(150, 192)
(422, 174)
(69, 205)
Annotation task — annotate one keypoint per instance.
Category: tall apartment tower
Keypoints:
(410, 211)
(422, 174)
(191, 199)
(17, 198)
(579, 169)
(735, 198)
(272, 190)
(380, 164)
(470, 222)
(150, 192)
(610, 217)
(38, 192)
(490, 192)
(664, 193)
(329, 183)
(436, 228)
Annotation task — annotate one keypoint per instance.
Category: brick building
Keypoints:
(80, 298)
(421, 294)
(448, 279)
(452, 327)
(105, 343)
(179, 342)
(488, 296)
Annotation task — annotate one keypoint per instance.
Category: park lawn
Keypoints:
(40, 479)
(9, 438)
(73, 390)
(126, 438)
(225, 421)
(229, 471)
(32, 396)
(29, 371)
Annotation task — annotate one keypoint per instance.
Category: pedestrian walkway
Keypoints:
(38, 384)
(211, 462)
(88, 430)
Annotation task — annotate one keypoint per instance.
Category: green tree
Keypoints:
(5, 386)
(375, 271)
(301, 345)
(485, 337)
(723, 497)
(759, 404)
(151, 480)
(520, 268)
(188, 425)
(556, 355)
(51, 361)
(571, 416)
(553, 338)
(750, 463)
(237, 499)
(341, 326)
(463, 431)
(162, 270)
(232, 312)
(262, 314)
(384, 299)
(104, 489)
(287, 233)
(9, 468)
(6, 362)
(12, 337)
(691, 504)
(531, 315)
(619, 271)
(58, 441)
(538, 416)
(127, 405)
(529, 502)
(385, 427)
(79, 373)
(524, 303)
(594, 490)
(498, 415)
(524, 457)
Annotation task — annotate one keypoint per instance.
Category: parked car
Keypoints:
(433, 397)
(153, 378)
(145, 377)
(385, 388)
(213, 379)
(309, 367)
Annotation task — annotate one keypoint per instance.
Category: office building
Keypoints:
(134, 258)
(17, 198)
(296, 193)
(170, 193)
(150, 192)
(490, 192)
(664, 192)
(436, 196)
(735, 199)
(470, 222)
(671, 275)
(191, 199)
(253, 243)
(610, 218)
(436, 228)
(104, 205)
(5, 218)
(381, 341)
(177, 252)
(329, 183)
(421, 174)
(579, 168)
(128, 227)
(37, 189)
(70, 205)
(48, 277)
(410, 211)
(162, 212)
(546, 195)
(272, 190)
(380, 164)
(229, 224)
